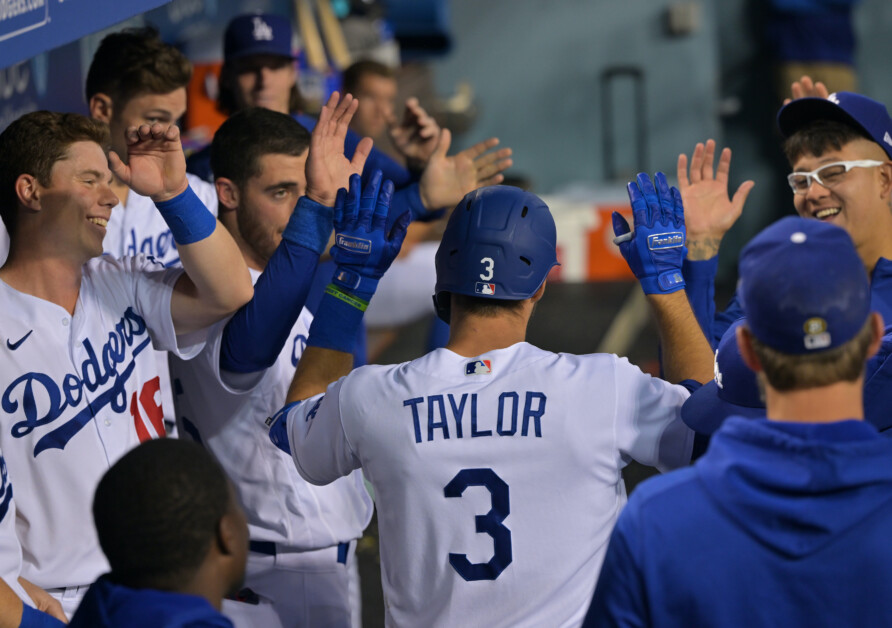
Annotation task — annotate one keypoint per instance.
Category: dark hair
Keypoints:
(227, 98)
(248, 135)
(483, 306)
(33, 144)
(133, 62)
(820, 136)
(157, 511)
(844, 363)
(353, 75)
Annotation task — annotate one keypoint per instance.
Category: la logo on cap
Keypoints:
(262, 30)
(717, 371)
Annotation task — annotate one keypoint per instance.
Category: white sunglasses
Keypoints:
(827, 175)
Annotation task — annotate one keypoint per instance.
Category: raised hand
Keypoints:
(328, 169)
(806, 88)
(709, 211)
(416, 135)
(363, 249)
(655, 249)
(446, 180)
(156, 166)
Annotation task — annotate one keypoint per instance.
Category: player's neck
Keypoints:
(51, 278)
(471, 336)
(229, 220)
(836, 402)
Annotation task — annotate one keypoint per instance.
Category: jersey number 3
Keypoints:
(490, 523)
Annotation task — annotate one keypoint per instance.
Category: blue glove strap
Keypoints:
(348, 280)
(336, 321)
(189, 220)
(309, 225)
(33, 618)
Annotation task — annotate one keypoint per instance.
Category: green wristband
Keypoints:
(349, 299)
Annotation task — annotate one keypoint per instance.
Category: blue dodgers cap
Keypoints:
(733, 392)
(261, 34)
(863, 112)
(803, 287)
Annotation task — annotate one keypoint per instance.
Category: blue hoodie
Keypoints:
(109, 605)
(778, 524)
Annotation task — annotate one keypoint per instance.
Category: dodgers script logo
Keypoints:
(43, 400)
(354, 245)
(671, 240)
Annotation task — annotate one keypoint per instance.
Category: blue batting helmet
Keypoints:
(499, 244)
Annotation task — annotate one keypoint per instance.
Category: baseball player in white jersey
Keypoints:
(302, 536)
(133, 79)
(497, 465)
(78, 387)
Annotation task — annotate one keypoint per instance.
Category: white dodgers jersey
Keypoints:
(76, 393)
(497, 479)
(10, 550)
(139, 229)
(227, 413)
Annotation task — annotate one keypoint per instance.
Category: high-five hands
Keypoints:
(655, 250)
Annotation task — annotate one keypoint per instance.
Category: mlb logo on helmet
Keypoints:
(485, 288)
(478, 367)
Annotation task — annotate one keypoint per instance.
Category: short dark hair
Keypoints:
(227, 100)
(484, 306)
(845, 363)
(353, 75)
(33, 144)
(248, 135)
(133, 62)
(820, 136)
(157, 512)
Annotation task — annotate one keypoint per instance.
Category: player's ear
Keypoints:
(539, 293)
(227, 194)
(876, 322)
(100, 107)
(745, 345)
(28, 190)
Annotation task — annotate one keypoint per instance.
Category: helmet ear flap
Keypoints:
(443, 305)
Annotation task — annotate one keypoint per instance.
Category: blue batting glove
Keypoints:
(363, 250)
(655, 250)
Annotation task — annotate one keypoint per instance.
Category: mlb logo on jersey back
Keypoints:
(485, 288)
(478, 367)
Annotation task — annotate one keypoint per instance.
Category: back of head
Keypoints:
(33, 144)
(248, 135)
(733, 391)
(133, 62)
(499, 245)
(806, 297)
(156, 513)
(817, 125)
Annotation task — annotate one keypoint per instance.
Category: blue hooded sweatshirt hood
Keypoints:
(109, 605)
(813, 483)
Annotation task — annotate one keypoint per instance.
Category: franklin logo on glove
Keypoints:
(665, 241)
(354, 245)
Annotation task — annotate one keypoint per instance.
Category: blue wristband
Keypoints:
(189, 220)
(352, 282)
(336, 321)
(310, 225)
(33, 618)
